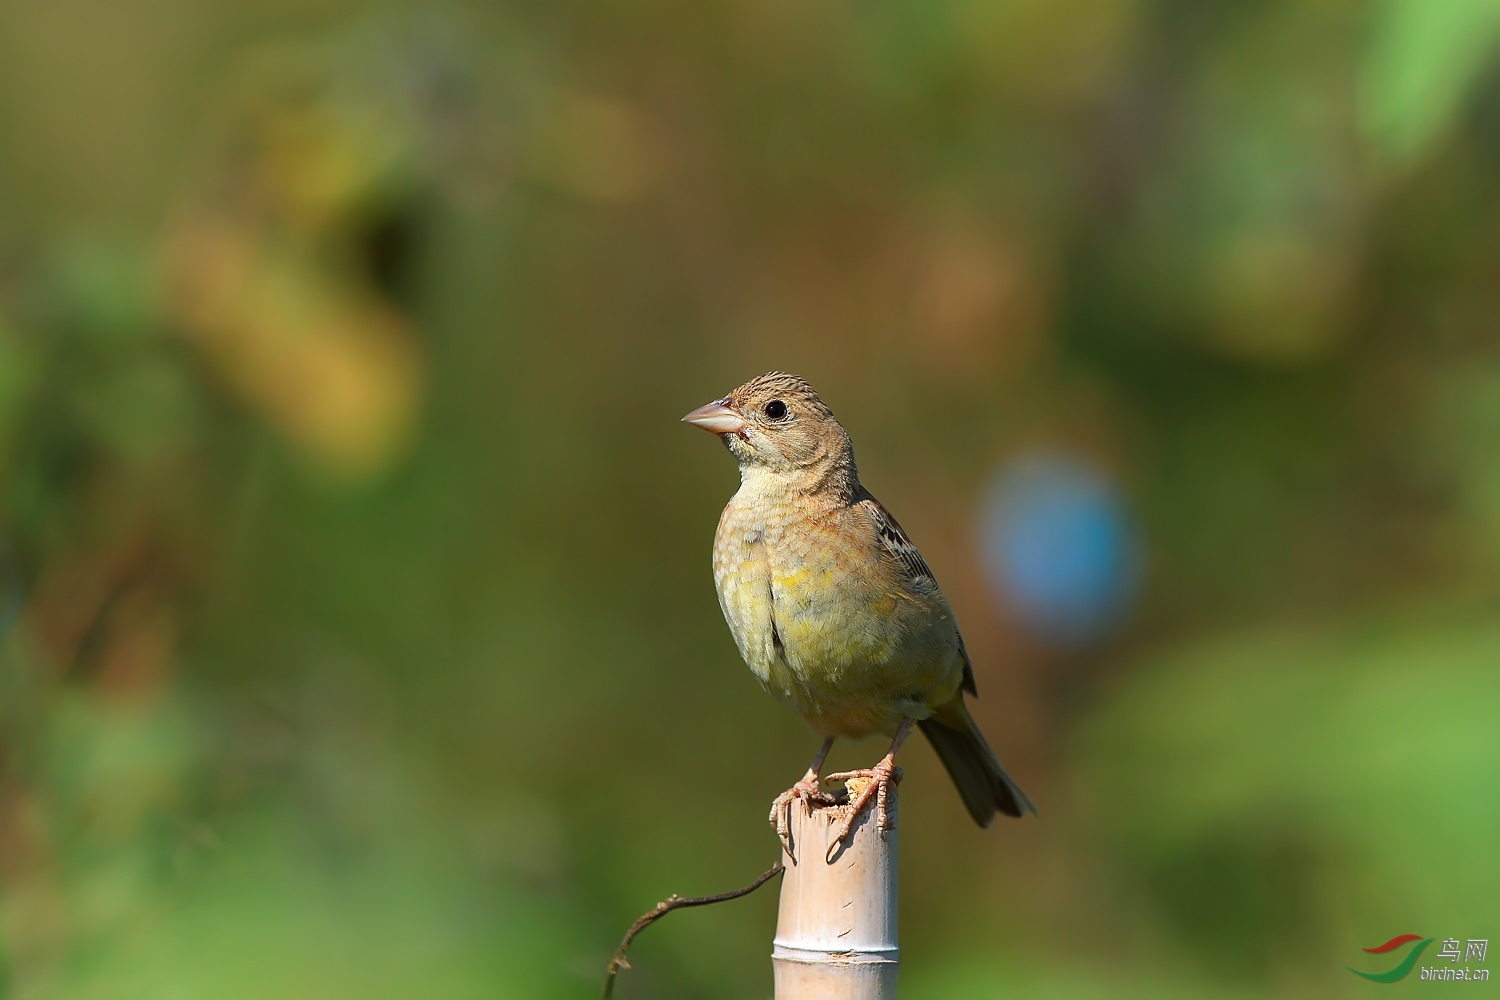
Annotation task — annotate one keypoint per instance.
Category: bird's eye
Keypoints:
(776, 409)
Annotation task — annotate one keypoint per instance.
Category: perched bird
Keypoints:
(833, 608)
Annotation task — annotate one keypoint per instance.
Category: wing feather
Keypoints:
(893, 539)
(895, 542)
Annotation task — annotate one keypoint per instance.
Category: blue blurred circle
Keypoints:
(1060, 548)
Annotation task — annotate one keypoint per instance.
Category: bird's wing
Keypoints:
(968, 684)
(895, 542)
(913, 566)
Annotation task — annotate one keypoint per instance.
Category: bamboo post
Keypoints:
(836, 926)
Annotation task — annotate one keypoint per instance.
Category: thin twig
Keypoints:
(674, 902)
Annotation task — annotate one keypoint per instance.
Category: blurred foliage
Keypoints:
(1422, 63)
(356, 636)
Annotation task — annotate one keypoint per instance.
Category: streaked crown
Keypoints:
(792, 390)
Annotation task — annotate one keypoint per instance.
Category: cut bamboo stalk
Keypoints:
(836, 926)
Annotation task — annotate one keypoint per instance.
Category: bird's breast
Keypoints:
(816, 614)
(742, 577)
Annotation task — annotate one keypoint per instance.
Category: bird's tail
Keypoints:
(981, 781)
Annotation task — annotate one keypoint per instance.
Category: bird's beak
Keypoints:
(716, 418)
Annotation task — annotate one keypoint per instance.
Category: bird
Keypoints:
(835, 611)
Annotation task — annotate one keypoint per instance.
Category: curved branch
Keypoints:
(674, 902)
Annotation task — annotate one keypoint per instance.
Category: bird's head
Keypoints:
(776, 423)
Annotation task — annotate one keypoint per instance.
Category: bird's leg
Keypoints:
(806, 788)
(881, 777)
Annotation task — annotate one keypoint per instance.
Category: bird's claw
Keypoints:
(810, 792)
(878, 780)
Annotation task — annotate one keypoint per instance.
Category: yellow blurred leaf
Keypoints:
(336, 370)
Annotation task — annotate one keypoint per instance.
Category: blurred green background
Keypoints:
(358, 632)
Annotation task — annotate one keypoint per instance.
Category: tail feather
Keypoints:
(981, 781)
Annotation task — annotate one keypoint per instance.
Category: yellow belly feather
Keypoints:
(852, 653)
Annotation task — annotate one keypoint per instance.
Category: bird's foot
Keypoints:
(810, 792)
(876, 782)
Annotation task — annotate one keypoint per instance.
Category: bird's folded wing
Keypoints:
(914, 568)
(895, 542)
